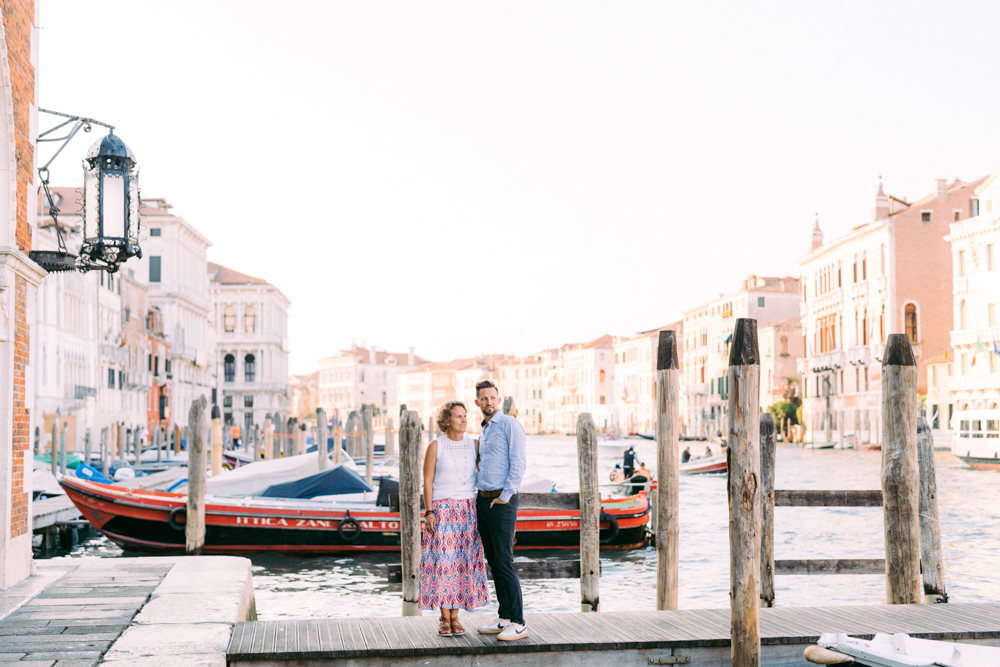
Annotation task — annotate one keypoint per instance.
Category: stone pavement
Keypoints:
(113, 611)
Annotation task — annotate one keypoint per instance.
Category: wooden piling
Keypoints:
(369, 440)
(321, 438)
(122, 444)
(590, 514)
(216, 443)
(62, 448)
(157, 443)
(932, 565)
(744, 494)
(104, 451)
(508, 406)
(268, 439)
(409, 510)
(767, 461)
(53, 448)
(86, 447)
(258, 448)
(352, 427)
(278, 439)
(177, 439)
(338, 445)
(137, 445)
(194, 529)
(390, 448)
(900, 471)
(667, 517)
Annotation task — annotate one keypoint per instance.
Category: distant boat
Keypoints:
(646, 437)
(709, 465)
(981, 463)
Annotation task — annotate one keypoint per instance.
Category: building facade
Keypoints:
(522, 380)
(363, 376)
(888, 275)
(708, 332)
(251, 346)
(305, 394)
(781, 347)
(635, 377)
(580, 377)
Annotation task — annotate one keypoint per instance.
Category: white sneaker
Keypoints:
(513, 631)
(494, 628)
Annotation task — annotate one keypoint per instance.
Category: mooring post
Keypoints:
(194, 529)
(257, 448)
(216, 443)
(409, 510)
(767, 460)
(62, 448)
(268, 439)
(292, 440)
(508, 406)
(390, 447)
(900, 471)
(932, 565)
(278, 437)
(590, 514)
(86, 446)
(157, 443)
(338, 444)
(104, 451)
(366, 419)
(177, 439)
(38, 441)
(321, 438)
(668, 472)
(122, 444)
(137, 444)
(352, 427)
(744, 494)
(54, 447)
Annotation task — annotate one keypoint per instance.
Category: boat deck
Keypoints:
(696, 636)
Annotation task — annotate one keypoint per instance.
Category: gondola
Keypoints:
(154, 521)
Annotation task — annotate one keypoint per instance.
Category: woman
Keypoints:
(452, 566)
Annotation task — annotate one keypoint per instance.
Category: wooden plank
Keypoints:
(535, 569)
(374, 637)
(830, 566)
(827, 498)
(354, 641)
(666, 508)
(400, 644)
(280, 643)
(237, 638)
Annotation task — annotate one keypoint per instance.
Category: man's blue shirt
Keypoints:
(502, 456)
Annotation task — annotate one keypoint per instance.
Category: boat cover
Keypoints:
(333, 482)
(45, 482)
(901, 650)
(91, 474)
(254, 478)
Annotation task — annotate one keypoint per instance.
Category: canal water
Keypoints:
(969, 506)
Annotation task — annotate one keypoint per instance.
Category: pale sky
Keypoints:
(474, 177)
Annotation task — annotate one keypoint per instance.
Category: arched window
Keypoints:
(602, 376)
(864, 328)
(910, 318)
(229, 319)
(784, 346)
(962, 323)
(250, 319)
(249, 368)
(229, 368)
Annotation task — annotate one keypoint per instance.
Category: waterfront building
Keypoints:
(362, 375)
(20, 278)
(430, 385)
(938, 406)
(305, 394)
(708, 332)
(780, 348)
(251, 346)
(635, 377)
(887, 275)
(521, 378)
(974, 384)
(580, 377)
(174, 268)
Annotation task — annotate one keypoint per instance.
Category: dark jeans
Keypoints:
(496, 528)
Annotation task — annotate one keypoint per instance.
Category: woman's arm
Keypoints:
(430, 464)
(476, 442)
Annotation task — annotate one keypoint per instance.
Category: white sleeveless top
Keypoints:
(455, 469)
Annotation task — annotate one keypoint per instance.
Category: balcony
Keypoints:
(835, 359)
(989, 381)
(970, 336)
(255, 387)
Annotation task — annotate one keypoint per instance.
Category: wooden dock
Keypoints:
(622, 639)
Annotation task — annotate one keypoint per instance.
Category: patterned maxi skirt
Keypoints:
(452, 566)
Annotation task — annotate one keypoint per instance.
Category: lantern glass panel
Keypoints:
(113, 205)
(91, 196)
(133, 204)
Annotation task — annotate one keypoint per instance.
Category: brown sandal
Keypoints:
(456, 627)
(444, 628)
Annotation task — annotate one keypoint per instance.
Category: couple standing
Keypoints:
(470, 496)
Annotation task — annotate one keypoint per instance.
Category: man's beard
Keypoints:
(488, 411)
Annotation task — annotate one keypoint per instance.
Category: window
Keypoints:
(992, 310)
(784, 346)
(855, 269)
(910, 318)
(229, 319)
(962, 323)
(989, 256)
(156, 365)
(111, 378)
(864, 267)
(958, 216)
(163, 407)
(961, 264)
(601, 376)
(602, 400)
(973, 207)
(149, 362)
(925, 216)
(229, 368)
(250, 319)
(247, 425)
(227, 401)
(248, 401)
(760, 302)
(154, 269)
(120, 380)
(154, 231)
(249, 367)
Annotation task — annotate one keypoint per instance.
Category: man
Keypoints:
(686, 454)
(502, 461)
(629, 462)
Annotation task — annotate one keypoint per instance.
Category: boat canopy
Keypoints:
(255, 478)
(339, 480)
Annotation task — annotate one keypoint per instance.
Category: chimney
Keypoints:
(880, 204)
(409, 359)
(817, 236)
(942, 188)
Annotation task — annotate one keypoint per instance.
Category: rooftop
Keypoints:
(222, 275)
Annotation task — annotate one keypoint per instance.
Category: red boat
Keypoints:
(153, 521)
(708, 465)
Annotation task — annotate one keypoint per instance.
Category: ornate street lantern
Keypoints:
(110, 205)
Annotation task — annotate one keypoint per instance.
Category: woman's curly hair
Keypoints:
(444, 414)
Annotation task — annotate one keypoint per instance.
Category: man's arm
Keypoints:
(517, 455)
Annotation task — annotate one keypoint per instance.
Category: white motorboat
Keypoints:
(899, 650)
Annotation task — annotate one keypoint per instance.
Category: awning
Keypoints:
(726, 337)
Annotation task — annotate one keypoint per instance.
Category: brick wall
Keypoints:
(18, 18)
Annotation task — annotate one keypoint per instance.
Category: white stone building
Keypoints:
(780, 347)
(708, 331)
(635, 378)
(938, 406)
(362, 376)
(174, 267)
(522, 379)
(251, 346)
(580, 377)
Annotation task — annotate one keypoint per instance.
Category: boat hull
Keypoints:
(708, 466)
(980, 463)
(139, 520)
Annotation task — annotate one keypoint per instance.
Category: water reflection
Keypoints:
(288, 587)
